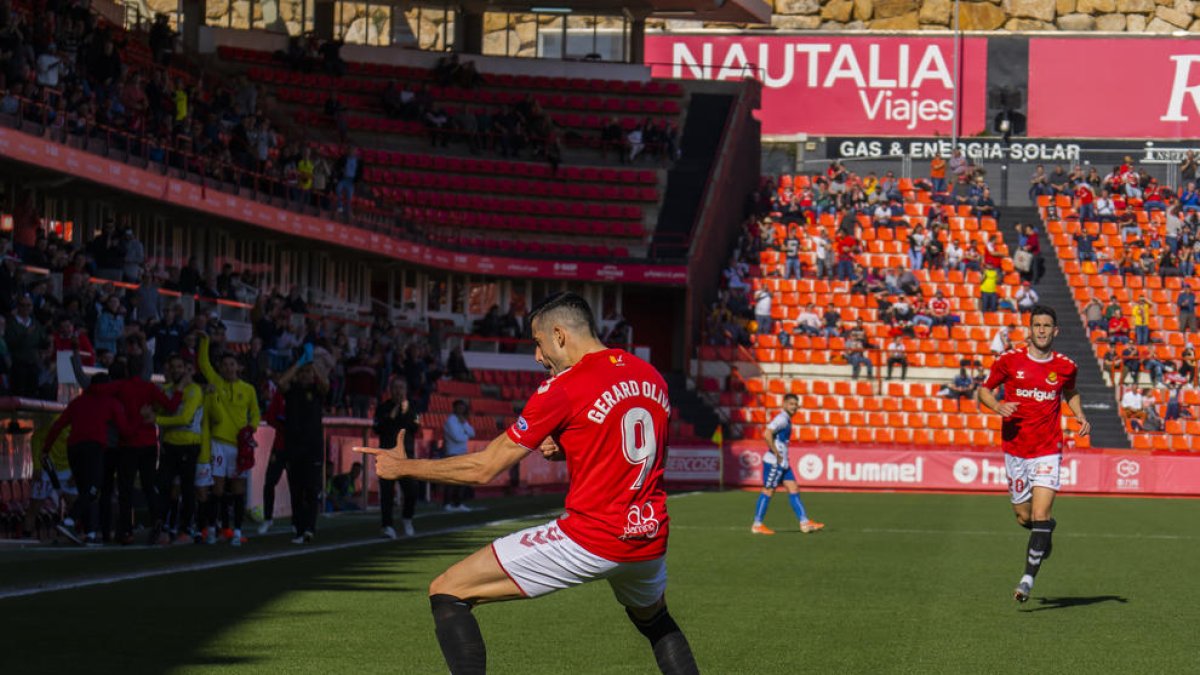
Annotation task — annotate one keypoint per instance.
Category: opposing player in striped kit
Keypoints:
(776, 469)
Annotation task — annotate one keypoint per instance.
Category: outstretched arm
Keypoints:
(475, 468)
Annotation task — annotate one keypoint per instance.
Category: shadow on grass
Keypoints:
(1074, 601)
(179, 621)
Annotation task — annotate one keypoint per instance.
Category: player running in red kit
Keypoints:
(605, 412)
(1036, 380)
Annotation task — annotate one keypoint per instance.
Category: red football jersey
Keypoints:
(1035, 429)
(609, 415)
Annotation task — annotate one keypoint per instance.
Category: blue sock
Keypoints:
(798, 507)
(760, 511)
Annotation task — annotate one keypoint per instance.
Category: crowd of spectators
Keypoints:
(49, 303)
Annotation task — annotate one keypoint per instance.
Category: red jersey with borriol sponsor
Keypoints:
(1036, 386)
(609, 415)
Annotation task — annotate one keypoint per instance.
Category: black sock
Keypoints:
(239, 510)
(1039, 545)
(214, 508)
(458, 634)
(226, 501)
(671, 649)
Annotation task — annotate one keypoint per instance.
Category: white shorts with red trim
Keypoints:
(224, 461)
(1024, 474)
(543, 559)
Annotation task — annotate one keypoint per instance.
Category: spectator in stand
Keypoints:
(897, 356)
(68, 338)
(1002, 340)
(348, 172)
(833, 322)
(985, 206)
(808, 321)
(1133, 404)
(1185, 302)
(1093, 314)
(1104, 208)
(25, 338)
(1059, 181)
(1189, 199)
(939, 310)
(456, 366)
(1027, 298)
(135, 257)
(110, 326)
(988, 287)
(1153, 366)
(856, 351)
(937, 173)
(823, 249)
(1131, 363)
(1188, 367)
(791, 250)
(1141, 321)
(1118, 327)
(1174, 227)
(762, 311)
(457, 432)
(1033, 245)
(962, 386)
(958, 165)
(1187, 167)
(1085, 198)
(1085, 243)
(1039, 184)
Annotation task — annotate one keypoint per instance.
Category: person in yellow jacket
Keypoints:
(181, 432)
(1141, 321)
(234, 407)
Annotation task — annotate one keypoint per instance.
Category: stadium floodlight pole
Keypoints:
(955, 81)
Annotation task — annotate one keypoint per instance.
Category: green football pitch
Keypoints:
(901, 583)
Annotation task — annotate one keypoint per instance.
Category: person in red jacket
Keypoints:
(69, 339)
(137, 449)
(96, 419)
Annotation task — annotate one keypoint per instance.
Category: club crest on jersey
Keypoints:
(522, 425)
(617, 360)
(1052, 378)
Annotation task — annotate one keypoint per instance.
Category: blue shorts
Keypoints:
(773, 474)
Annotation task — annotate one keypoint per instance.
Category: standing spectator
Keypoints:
(347, 172)
(1093, 314)
(110, 325)
(916, 247)
(392, 416)
(762, 310)
(1187, 168)
(135, 257)
(457, 432)
(304, 388)
(856, 351)
(25, 338)
(823, 247)
(1086, 199)
(1186, 303)
(988, 287)
(1141, 321)
(897, 356)
(937, 173)
(958, 164)
(791, 249)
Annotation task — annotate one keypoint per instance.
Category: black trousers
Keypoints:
(140, 463)
(108, 488)
(304, 483)
(87, 468)
(275, 468)
(387, 499)
(178, 461)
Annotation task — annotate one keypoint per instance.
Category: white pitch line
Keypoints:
(972, 533)
(232, 562)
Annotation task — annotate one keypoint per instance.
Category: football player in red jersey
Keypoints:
(605, 412)
(1036, 381)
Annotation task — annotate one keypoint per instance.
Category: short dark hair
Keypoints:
(1043, 310)
(790, 397)
(572, 308)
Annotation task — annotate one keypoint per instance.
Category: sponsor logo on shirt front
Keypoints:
(640, 522)
(1038, 395)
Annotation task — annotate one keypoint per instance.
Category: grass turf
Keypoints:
(897, 583)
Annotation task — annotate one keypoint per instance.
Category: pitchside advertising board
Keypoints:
(837, 85)
(848, 467)
(1017, 151)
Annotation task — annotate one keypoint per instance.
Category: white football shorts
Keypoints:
(543, 559)
(224, 461)
(204, 474)
(1024, 474)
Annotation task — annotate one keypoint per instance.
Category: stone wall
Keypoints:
(1112, 16)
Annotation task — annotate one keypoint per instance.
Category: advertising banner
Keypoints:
(929, 468)
(58, 157)
(839, 85)
(693, 465)
(1158, 95)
